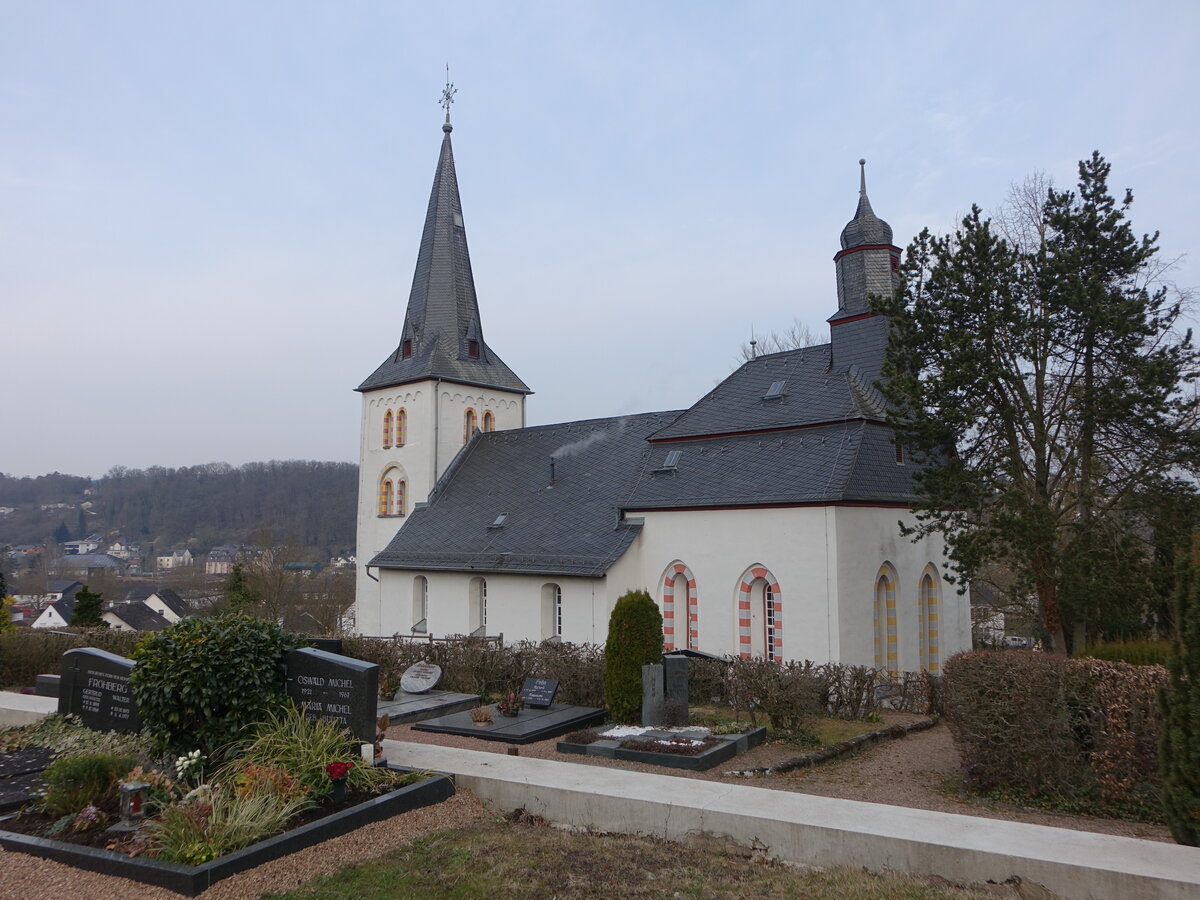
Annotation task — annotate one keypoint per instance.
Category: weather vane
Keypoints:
(448, 94)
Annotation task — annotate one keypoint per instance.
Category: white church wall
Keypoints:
(518, 606)
(718, 547)
(868, 537)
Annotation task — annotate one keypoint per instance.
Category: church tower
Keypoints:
(867, 264)
(442, 383)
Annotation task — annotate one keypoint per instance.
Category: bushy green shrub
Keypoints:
(1180, 702)
(87, 779)
(1138, 653)
(199, 683)
(1074, 733)
(635, 639)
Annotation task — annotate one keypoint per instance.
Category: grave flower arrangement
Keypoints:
(511, 704)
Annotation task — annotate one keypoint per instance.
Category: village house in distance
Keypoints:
(763, 519)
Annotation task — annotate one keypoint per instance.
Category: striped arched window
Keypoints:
(928, 602)
(489, 421)
(401, 427)
(885, 620)
(469, 424)
(387, 430)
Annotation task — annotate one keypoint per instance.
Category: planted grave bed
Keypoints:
(693, 749)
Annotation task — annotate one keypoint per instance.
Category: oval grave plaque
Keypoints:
(419, 678)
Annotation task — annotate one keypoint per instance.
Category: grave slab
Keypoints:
(408, 708)
(727, 747)
(527, 727)
(420, 678)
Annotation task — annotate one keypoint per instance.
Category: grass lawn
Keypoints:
(500, 859)
(826, 730)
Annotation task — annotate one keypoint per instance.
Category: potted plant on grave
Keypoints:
(511, 704)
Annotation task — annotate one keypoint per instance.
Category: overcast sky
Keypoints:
(209, 211)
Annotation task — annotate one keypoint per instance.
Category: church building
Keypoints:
(762, 519)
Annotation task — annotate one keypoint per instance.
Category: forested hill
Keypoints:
(307, 504)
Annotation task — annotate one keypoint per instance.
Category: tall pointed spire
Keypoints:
(865, 227)
(442, 335)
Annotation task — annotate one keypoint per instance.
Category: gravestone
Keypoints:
(675, 674)
(334, 688)
(94, 685)
(329, 645)
(653, 695)
(420, 677)
(538, 693)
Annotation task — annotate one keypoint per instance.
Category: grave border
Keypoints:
(191, 880)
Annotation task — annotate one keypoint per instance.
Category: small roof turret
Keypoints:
(865, 227)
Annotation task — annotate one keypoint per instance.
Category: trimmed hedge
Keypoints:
(1138, 653)
(1080, 733)
(30, 652)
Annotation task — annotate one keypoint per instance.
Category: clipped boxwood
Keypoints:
(635, 639)
(200, 682)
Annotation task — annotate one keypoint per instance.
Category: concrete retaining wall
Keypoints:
(819, 831)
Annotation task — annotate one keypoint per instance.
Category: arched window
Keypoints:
(885, 620)
(760, 615)
(680, 609)
(420, 604)
(385, 497)
(401, 427)
(478, 606)
(392, 492)
(551, 611)
(489, 421)
(387, 430)
(928, 601)
(469, 424)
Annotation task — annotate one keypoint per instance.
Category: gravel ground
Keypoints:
(912, 771)
(917, 771)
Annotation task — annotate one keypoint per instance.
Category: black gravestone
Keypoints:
(334, 688)
(95, 686)
(538, 693)
(675, 674)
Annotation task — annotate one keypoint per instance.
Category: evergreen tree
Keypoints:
(1180, 751)
(88, 609)
(1038, 388)
(635, 639)
(239, 596)
(62, 533)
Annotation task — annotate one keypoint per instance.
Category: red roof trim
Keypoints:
(842, 253)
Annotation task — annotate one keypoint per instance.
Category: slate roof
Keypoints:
(846, 462)
(813, 393)
(138, 616)
(865, 227)
(442, 319)
(568, 526)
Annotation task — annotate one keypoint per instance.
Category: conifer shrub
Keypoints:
(635, 639)
(1180, 701)
(200, 683)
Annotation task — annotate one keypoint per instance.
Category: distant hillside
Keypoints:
(307, 504)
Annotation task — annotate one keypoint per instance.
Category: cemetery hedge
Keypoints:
(31, 652)
(1077, 734)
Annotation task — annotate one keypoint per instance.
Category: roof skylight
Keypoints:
(775, 391)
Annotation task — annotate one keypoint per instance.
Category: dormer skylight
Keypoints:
(669, 464)
(775, 391)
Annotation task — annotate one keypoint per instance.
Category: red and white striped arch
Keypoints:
(690, 611)
(774, 615)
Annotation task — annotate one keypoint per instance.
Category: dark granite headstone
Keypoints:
(334, 688)
(47, 685)
(653, 697)
(675, 674)
(420, 677)
(95, 686)
(329, 645)
(538, 693)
